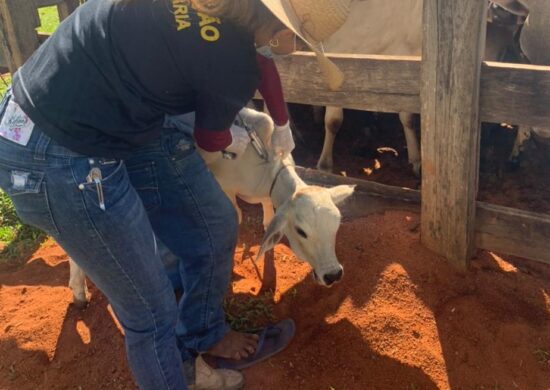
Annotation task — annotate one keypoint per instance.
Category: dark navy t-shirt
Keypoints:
(102, 83)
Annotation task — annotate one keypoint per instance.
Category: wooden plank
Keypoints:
(516, 94)
(376, 83)
(499, 229)
(67, 7)
(18, 38)
(46, 3)
(369, 197)
(512, 93)
(454, 43)
(512, 231)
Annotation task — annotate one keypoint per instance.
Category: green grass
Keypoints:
(249, 314)
(5, 82)
(17, 241)
(543, 356)
(49, 19)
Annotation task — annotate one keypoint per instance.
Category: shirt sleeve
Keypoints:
(271, 90)
(219, 99)
(214, 115)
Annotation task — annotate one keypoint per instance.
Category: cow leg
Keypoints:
(77, 283)
(269, 213)
(524, 133)
(317, 114)
(334, 117)
(413, 150)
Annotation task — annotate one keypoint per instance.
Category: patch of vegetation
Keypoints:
(17, 241)
(9, 223)
(49, 19)
(543, 356)
(249, 314)
(5, 82)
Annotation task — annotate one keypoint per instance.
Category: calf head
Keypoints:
(310, 221)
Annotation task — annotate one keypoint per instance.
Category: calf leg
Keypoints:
(413, 150)
(334, 117)
(77, 283)
(269, 213)
(233, 198)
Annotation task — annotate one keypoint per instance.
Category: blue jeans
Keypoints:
(116, 247)
(195, 220)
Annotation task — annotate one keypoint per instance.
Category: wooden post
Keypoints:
(66, 8)
(18, 38)
(454, 41)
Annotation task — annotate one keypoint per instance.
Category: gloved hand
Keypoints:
(282, 141)
(240, 140)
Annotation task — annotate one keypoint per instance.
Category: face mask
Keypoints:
(265, 51)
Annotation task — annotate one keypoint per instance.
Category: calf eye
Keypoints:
(301, 232)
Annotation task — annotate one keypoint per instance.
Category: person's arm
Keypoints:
(213, 131)
(271, 90)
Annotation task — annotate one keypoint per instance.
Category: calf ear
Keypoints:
(341, 193)
(274, 231)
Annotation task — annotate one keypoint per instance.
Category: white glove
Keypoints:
(282, 141)
(240, 141)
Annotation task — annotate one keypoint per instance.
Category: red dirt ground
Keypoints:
(400, 319)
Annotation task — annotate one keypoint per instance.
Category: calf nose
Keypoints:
(333, 277)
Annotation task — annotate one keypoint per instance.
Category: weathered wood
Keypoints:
(454, 43)
(67, 7)
(512, 93)
(512, 231)
(46, 3)
(18, 21)
(516, 94)
(18, 38)
(376, 83)
(369, 197)
(498, 229)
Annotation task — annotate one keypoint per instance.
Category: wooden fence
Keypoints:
(18, 22)
(452, 89)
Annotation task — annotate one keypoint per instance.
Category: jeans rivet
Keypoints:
(81, 186)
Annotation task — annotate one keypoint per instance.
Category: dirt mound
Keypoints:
(400, 319)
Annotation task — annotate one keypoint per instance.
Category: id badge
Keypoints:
(16, 126)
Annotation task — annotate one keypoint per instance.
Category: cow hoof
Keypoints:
(80, 304)
(325, 167)
(416, 168)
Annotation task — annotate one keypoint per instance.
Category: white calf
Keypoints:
(306, 215)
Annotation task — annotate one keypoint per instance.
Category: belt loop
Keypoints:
(41, 147)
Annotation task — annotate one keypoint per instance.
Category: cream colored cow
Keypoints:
(388, 27)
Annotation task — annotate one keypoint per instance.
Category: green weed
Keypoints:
(249, 314)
